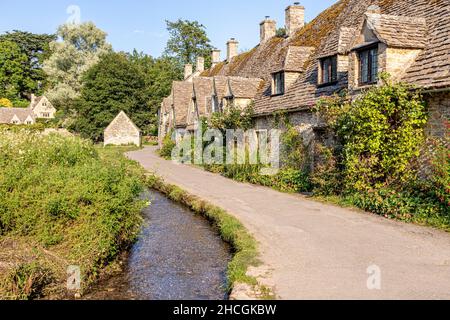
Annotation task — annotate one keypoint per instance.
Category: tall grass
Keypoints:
(68, 198)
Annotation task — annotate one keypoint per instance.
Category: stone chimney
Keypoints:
(295, 18)
(187, 71)
(200, 67)
(232, 49)
(268, 29)
(215, 57)
(33, 99)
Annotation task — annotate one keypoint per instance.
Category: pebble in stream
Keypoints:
(177, 257)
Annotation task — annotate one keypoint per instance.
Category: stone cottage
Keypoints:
(39, 108)
(344, 48)
(17, 116)
(122, 131)
(42, 107)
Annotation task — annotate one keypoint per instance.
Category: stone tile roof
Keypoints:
(203, 90)
(340, 42)
(432, 67)
(240, 87)
(7, 114)
(295, 59)
(421, 23)
(399, 31)
(181, 97)
(122, 122)
(35, 102)
(220, 86)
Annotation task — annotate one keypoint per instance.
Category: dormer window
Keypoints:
(368, 66)
(278, 83)
(328, 70)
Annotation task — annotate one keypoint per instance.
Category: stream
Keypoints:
(178, 256)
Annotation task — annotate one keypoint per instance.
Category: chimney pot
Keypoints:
(268, 29)
(295, 18)
(187, 71)
(232, 49)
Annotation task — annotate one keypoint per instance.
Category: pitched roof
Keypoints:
(432, 67)
(220, 86)
(244, 87)
(294, 58)
(339, 43)
(401, 23)
(7, 114)
(181, 97)
(203, 89)
(399, 31)
(120, 120)
(35, 102)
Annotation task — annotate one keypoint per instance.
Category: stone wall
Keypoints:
(304, 121)
(122, 131)
(396, 61)
(122, 138)
(289, 79)
(439, 114)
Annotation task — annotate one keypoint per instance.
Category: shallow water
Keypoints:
(178, 256)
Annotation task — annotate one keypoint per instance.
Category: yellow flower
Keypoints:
(5, 103)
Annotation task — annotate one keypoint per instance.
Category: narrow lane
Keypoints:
(319, 251)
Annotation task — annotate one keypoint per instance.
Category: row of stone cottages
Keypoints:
(345, 47)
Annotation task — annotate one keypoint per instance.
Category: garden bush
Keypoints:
(167, 146)
(377, 161)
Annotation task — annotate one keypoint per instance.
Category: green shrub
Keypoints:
(326, 177)
(408, 204)
(382, 133)
(440, 178)
(167, 147)
(376, 163)
(294, 154)
(233, 117)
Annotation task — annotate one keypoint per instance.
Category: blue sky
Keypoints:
(141, 24)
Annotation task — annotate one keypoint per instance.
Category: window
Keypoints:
(278, 83)
(328, 68)
(368, 66)
(45, 115)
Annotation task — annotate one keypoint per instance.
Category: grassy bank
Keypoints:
(63, 202)
(232, 231)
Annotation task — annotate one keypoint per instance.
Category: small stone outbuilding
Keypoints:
(122, 131)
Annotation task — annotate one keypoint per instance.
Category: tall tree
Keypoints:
(13, 77)
(79, 49)
(159, 74)
(115, 83)
(188, 40)
(36, 48)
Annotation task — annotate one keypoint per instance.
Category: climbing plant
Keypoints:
(381, 132)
